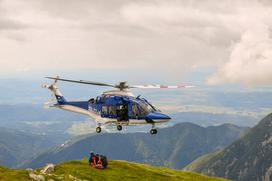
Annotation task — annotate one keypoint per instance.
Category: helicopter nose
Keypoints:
(156, 115)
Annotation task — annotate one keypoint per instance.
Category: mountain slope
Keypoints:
(18, 146)
(172, 147)
(249, 158)
(117, 170)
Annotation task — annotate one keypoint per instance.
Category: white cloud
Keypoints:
(156, 36)
(250, 60)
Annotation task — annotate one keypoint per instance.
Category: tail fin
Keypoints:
(55, 90)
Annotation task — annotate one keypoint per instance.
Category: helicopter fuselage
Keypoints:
(119, 108)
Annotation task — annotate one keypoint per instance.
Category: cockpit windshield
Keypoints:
(145, 107)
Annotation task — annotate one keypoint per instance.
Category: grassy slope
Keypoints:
(117, 170)
(10, 174)
(201, 160)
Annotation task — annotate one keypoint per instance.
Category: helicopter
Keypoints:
(118, 106)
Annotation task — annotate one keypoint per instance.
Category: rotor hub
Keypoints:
(122, 85)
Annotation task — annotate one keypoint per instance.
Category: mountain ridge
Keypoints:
(18, 146)
(249, 158)
(173, 147)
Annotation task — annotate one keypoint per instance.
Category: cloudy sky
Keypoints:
(176, 37)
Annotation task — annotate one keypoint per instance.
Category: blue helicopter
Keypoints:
(119, 106)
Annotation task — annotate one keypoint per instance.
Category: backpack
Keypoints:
(104, 161)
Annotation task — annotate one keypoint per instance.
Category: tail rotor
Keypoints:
(56, 94)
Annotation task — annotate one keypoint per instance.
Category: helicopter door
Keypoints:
(122, 112)
(104, 112)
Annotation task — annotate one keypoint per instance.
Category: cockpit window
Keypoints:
(112, 111)
(97, 99)
(135, 110)
(104, 110)
(103, 98)
(145, 108)
(91, 100)
(150, 106)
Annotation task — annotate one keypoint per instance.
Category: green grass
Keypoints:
(117, 170)
(7, 174)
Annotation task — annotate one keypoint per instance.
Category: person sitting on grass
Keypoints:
(104, 161)
(99, 163)
(95, 160)
(91, 158)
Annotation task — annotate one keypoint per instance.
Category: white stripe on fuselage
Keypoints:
(101, 120)
(78, 110)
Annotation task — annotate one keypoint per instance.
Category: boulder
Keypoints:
(36, 177)
(48, 169)
(29, 170)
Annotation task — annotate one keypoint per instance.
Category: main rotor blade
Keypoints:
(81, 81)
(156, 86)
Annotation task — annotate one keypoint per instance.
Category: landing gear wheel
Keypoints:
(119, 127)
(153, 131)
(98, 129)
